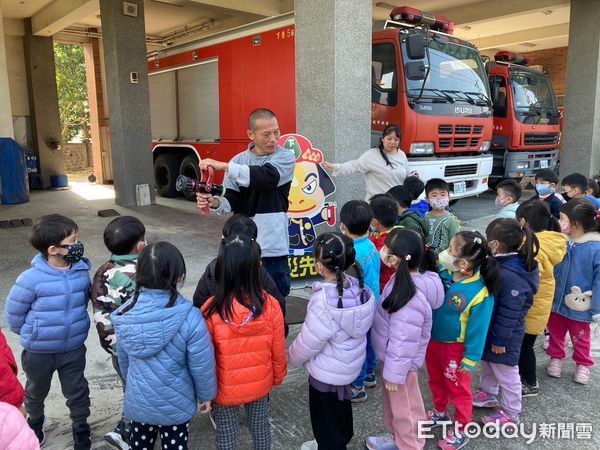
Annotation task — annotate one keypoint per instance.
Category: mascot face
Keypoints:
(306, 194)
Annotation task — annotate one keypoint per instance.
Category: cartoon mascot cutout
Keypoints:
(310, 187)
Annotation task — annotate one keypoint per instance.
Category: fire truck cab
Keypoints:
(526, 118)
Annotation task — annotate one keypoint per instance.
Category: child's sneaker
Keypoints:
(554, 369)
(119, 437)
(499, 418)
(483, 399)
(582, 375)
(385, 442)
(38, 426)
(370, 380)
(453, 441)
(359, 395)
(310, 445)
(527, 390)
(434, 418)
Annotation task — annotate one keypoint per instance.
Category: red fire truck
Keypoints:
(526, 118)
(429, 82)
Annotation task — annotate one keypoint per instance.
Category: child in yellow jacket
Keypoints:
(553, 245)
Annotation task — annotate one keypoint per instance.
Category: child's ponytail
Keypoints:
(515, 238)
(361, 282)
(408, 247)
(429, 260)
(489, 272)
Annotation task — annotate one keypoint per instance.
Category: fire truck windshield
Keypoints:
(531, 91)
(455, 71)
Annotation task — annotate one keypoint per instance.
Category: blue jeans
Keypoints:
(368, 366)
(279, 269)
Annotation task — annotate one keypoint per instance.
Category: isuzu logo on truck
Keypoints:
(463, 110)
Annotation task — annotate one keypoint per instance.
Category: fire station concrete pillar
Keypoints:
(43, 103)
(581, 130)
(333, 76)
(6, 120)
(124, 43)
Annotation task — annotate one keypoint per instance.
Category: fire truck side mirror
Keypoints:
(415, 45)
(415, 70)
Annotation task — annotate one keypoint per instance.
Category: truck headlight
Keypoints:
(421, 148)
(523, 165)
(485, 146)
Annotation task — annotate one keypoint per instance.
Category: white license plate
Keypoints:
(544, 164)
(460, 187)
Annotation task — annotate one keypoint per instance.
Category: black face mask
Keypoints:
(74, 252)
(567, 197)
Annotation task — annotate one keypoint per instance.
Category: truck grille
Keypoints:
(541, 138)
(465, 169)
(460, 137)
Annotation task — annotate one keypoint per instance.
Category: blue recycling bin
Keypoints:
(14, 185)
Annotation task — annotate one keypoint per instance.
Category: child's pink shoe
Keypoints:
(582, 375)
(499, 418)
(483, 399)
(554, 369)
(453, 441)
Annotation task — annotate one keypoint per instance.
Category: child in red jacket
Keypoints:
(11, 390)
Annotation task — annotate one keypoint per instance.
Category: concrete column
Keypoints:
(6, 120)
(333, 76)
(124, 42)
(581, 128)
(43, 103)
(98, 119)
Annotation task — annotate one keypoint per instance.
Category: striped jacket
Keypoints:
(258, 186)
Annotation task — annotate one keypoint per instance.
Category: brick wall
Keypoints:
(554, 61)
(77, 157)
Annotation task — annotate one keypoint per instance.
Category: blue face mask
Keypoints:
(544, 189)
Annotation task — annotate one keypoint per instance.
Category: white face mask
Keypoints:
(439, 203)
(448, 261)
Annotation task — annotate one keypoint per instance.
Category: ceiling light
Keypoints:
(528, 44)
(385, 5)
(547, 12)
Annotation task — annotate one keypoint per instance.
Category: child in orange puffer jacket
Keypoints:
(246, 325)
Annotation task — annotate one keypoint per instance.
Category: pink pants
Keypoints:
(580, 332)
(402, 410)
(496, 377)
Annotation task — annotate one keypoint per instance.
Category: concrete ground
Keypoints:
(562, 404)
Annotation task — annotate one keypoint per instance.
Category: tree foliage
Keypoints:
(72, 91)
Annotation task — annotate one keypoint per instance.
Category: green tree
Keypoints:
(72, 91)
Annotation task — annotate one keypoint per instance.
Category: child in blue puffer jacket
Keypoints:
(165, 353)
(47, 307)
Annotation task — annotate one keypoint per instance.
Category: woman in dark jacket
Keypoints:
(515, 249)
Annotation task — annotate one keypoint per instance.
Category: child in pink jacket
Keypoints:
(333, 340)
(14, 431)
(400, 334)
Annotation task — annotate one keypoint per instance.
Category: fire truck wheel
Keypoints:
(166, 169)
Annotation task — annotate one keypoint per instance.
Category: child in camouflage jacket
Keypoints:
(113, 285)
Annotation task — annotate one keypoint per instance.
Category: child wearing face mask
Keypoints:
(47, 307)
(470, 276)
(545, 187)
(508, 193)
(535, 214)
(442, 224)
(515, 248)
(401, 331)
(332, 342)
(112, 285)
(355, 218)
(577, 294)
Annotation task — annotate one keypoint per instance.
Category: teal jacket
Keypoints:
(464, 316)
(370, 262)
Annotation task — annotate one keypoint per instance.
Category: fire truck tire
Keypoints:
(166, 169)
(189, 168)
